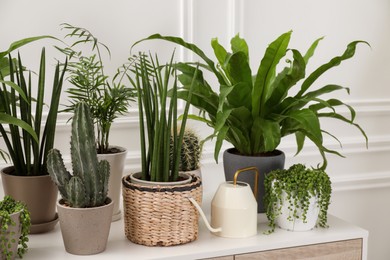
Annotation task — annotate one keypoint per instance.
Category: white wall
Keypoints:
(361, 180)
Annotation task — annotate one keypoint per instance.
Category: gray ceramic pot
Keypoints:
(85, 230)
(233, 161)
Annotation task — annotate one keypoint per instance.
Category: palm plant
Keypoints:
(158, 118)
(254, 112)
(90, 84)
(27, 142)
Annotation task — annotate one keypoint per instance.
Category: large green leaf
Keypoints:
(348, 53)
(266, 72)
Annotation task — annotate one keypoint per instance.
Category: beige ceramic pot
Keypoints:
(85, 230)
(117, 165)
(40, 195)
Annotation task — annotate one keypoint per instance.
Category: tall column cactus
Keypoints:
(88, 186)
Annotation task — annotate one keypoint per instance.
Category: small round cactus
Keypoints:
(190, 151)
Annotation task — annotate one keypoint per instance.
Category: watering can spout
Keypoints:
(209, 227)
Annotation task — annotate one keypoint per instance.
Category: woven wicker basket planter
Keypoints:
(161, 215)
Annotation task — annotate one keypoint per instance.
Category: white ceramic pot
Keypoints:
(136, 179)
(297, 224)
(117, 165)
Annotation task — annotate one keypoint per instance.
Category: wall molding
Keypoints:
(367, 108)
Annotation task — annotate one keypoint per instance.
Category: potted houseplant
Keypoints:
(155, 199)
(297, 198)
(190, 153)
(90, 84)
(85, 210)
(14, 228)
(28, 136)
(254, 111)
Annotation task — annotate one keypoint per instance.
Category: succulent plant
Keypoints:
(190, 151)
(88, 186)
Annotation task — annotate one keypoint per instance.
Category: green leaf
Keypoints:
(348, 53)
(219, 51)
(239, 45)
(7, 119)
(17, 44)
(312, 48)
(266, 72)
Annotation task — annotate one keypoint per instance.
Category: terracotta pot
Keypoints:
(233, 161)
(12, 234)
(85, 230)
(117, 165)
(40, 195)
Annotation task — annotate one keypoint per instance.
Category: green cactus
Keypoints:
(88, 186)
(190, 151)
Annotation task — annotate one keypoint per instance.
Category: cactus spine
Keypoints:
(88, 186)
(190, 151)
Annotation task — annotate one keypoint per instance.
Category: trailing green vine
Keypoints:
(8, 206)
(296, 185)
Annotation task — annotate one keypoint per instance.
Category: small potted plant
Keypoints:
(254, 109)
(297, 198)
(14, 228)
(106, 100)
(85, 210)
(155, 199)
(29, 134)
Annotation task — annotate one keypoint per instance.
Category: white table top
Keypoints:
(50, 245)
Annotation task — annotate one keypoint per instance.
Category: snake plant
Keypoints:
(158, 113)
(22, 112)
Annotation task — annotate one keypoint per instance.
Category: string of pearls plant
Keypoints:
(297, 184)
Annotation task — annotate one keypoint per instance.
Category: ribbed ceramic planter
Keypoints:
(117, 165)
(85, 230)
(232, 161)
(11, 236)
(297, 224)
(40, 195)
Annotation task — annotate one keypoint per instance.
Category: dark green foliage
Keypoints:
(9, 206)
(158, 118)
(88, 186)
(253, 111)
(300, 184)
(27, 142)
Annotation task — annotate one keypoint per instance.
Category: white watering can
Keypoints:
(233, 208)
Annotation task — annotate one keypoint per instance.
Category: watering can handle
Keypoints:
(203, 216)
(256, 178)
